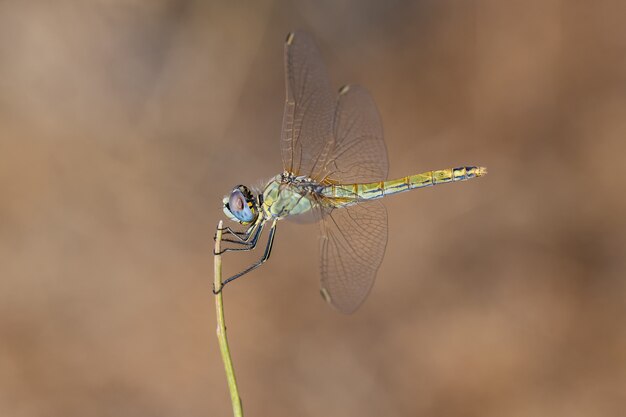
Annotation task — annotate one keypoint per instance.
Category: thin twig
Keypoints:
(221, 328)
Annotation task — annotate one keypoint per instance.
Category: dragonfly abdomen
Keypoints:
(444, 176)
(374, 190)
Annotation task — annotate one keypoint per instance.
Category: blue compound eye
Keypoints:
(240, 207)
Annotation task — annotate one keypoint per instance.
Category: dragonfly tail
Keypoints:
(444, 176)
(350, 193)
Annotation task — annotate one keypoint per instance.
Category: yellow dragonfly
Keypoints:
(335, 170)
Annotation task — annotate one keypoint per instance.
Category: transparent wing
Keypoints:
(336, 140)
(353, 242)
(324, 137)
(309, 105)
(358, 152)
(354, 238)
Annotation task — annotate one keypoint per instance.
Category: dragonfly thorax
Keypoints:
(287, 195)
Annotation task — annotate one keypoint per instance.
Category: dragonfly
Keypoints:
(334, 172)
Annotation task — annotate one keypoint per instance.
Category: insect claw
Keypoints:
(216, 292)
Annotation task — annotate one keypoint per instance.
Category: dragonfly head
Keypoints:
(241, 206)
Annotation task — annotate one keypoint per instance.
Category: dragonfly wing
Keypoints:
(353, 242)
(359, 154)
(309, 106)
(337, 140)
(354, 238)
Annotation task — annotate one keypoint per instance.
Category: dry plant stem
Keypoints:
(221, 328)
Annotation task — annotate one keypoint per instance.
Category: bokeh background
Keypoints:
(124, 122)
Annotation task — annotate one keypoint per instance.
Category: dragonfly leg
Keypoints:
(240, 236)
(248, 244)
(227, 229)
(265, 257)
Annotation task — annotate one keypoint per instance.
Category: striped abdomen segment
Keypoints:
(369, 191)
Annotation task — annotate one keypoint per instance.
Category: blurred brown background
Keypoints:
(123, 123)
